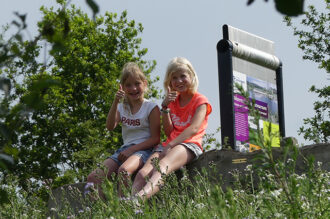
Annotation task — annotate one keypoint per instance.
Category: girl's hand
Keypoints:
(171, 96)
(124, 155)
(120, 93)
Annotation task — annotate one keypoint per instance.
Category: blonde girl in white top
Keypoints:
(140, 121)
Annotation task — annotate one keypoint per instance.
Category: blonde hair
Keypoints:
(180, 63)
(132, 69)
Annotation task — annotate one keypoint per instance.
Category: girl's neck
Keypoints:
(135, 105)
(184, 98)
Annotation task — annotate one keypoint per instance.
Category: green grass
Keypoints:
(280, 194)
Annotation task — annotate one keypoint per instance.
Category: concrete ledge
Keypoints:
(69, 197)
(227, 160)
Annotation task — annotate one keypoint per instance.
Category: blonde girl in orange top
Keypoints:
(185, 115)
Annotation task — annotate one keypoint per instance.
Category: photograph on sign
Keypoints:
(264, 96)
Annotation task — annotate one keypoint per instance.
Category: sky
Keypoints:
(192, 29)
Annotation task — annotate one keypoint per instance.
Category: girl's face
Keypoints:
(180, 81)
(134, 88)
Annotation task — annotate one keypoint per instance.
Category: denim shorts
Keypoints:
(144, 155)
(191, 146)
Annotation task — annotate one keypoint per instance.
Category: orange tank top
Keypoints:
(181, 118)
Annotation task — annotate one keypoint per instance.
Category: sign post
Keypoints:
(249, 61)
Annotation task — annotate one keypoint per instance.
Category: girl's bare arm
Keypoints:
(191, 130)
(113, 117)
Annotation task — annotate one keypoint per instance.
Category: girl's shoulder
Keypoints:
(200, 97)
(149, 105)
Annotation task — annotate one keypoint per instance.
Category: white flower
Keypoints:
(305, 205)
(278, 215)
(248, 167)
(200, 205)
(290, 160)
(276, 193)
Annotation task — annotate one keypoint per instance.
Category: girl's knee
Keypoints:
(91, 177)
(123, 170)
(96, 176)
(142, 174)
(164, 166)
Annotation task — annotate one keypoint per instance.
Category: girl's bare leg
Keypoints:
(177, 157)
(125, 171)
(144, 172)
(98, 175)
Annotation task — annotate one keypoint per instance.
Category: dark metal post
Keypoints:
(225, 77)
(280, 99)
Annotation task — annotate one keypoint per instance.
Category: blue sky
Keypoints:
(192, 28)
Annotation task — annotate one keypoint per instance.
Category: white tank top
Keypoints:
(135, 128)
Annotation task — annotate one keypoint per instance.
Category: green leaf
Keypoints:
(3, 197)
(93, 6)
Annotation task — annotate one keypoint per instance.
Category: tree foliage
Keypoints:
(67, 93)
(289, 8)
(314, 42)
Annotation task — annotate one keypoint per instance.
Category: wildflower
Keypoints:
(248, 168)
(87, 186)
(200, 205)
(184, 178)
(290, 160)
(276, 193)
(138, 211)
(302, 176)
(305, 205)
(278, 215)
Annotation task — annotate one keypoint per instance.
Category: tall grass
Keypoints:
(279, 193)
